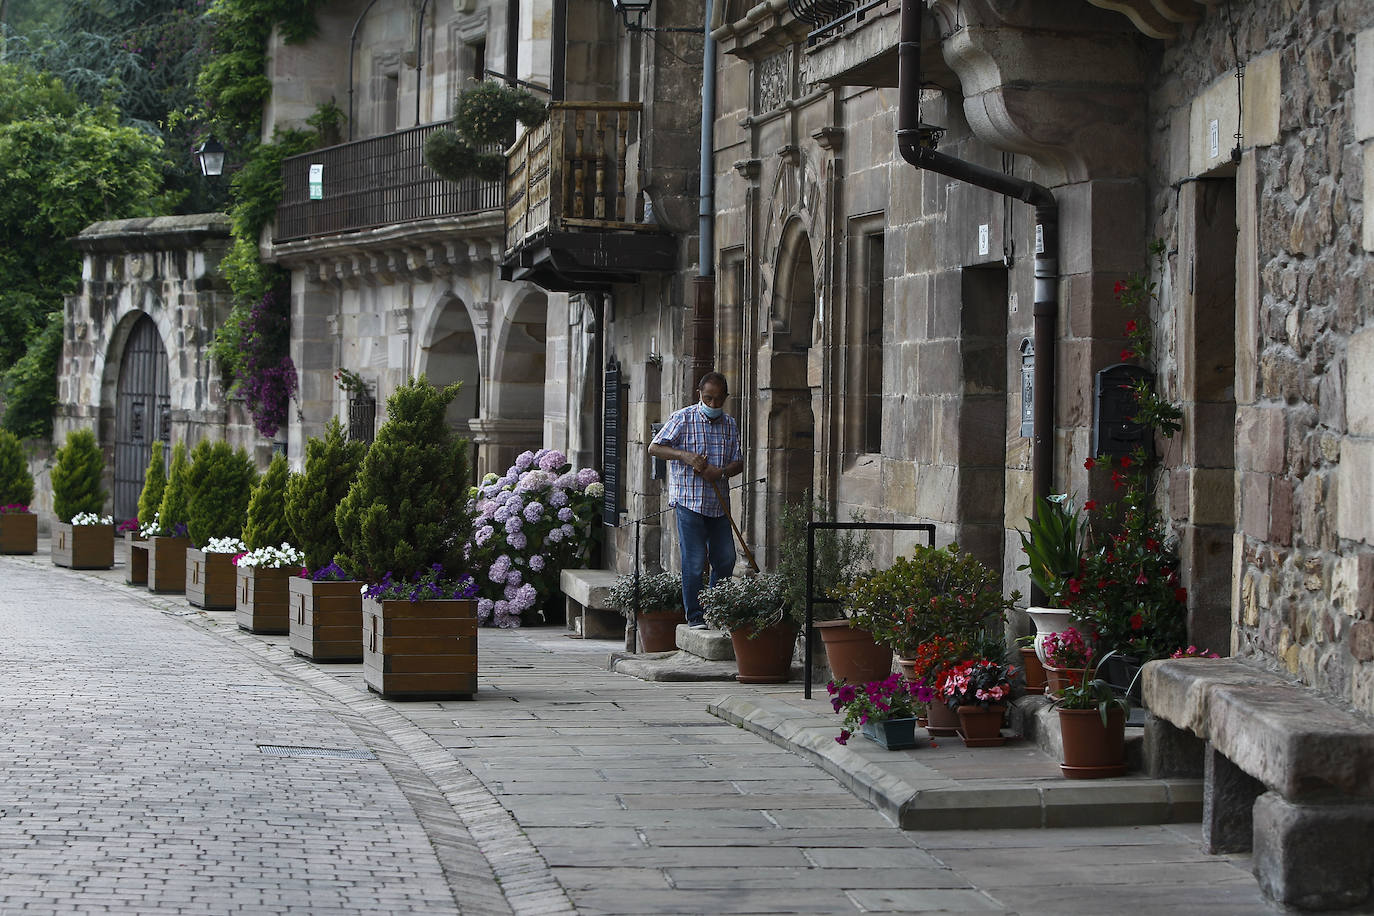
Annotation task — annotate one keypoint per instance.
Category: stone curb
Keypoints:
(670, 666)
(926, 799)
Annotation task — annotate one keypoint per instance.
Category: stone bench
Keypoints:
(589, 611)
(1286, 774)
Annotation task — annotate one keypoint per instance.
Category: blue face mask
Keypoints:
(711, 413)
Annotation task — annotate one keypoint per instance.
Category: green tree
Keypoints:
(76, 476)
(29, 389)
(154, 482)
(16, 483)
(218, 486)
(407, 509)
(266, 525)
(312, 497)
(174, 511)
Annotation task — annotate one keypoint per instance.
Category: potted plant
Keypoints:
(1053, 544)
(1067, 657)
(851, 651)
(219, 484)
(18, 526)
(261, 596)
(654, 602)
(885, 711)
(326, 613)
(82, 538)
(1092, 727)
(403, 524)
(165, 530)
(1031, 665)
(978, 690)
(924, 672)
(753, 610)
(149, 501)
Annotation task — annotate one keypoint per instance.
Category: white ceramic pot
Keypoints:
(1048, 620)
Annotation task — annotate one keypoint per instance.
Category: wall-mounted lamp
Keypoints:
(210, 155)
(639, 9)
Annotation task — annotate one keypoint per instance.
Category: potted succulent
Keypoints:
(654, 602)
(1092, 726)
(978, 690)
(851, 651)
(165, 530)
(1067, 656)
(326, 614)
(1053, 545)
(18, 526)
(753, 610)
(403, 525)
(261, 596)
(219, 484)
(82, 538)
(885, 711)
(149, 501)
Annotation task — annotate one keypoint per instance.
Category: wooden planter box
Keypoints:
(420, 650)
(18, 532)
(326, 620)
(210, 580)
(263, 603)
(82, 546)
(137, 573)
(167, 565)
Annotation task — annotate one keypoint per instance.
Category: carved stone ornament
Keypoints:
(773, 78)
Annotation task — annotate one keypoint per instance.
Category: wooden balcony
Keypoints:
(574, 217)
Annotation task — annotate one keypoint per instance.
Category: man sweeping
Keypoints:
(702, 447)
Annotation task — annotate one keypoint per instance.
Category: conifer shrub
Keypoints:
(312, 497)
(218, 486)
(173, 513)
(266, 524)
(76, 476)
(154, 483)
(16, 483)
(407, 510)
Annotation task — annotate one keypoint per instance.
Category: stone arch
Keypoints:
(449, 352)
(137, 369)
(513, 418)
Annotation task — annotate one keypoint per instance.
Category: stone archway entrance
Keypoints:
(143, 409)
(451, 356)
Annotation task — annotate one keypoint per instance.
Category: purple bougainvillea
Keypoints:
(268, 381)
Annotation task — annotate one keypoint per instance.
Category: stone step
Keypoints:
(712, 645)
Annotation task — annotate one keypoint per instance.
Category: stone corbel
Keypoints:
(748, 168)
(790, 154)
(381, 269)
(829, 138)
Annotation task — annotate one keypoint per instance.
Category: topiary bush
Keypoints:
(218, 486)
(154, 483)
(266, 524)
(485, 115)
(173, 512)
(331, 464)
(16, 483)
(76, 476)
(407, 509)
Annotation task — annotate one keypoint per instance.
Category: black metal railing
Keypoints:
(831, 16)
(380, 181)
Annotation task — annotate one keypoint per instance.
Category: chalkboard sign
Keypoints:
(610, 445)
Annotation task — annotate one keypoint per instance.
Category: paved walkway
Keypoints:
(134, 784)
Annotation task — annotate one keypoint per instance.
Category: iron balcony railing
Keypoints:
(380, 181)
(829, 17)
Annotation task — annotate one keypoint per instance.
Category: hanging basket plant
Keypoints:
(485, 115)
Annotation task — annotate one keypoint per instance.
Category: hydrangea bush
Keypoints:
(529, 524)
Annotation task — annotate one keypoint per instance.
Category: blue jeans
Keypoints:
(702, 537)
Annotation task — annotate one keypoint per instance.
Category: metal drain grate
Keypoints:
(338, 753)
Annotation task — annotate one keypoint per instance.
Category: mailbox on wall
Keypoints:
(1114, 432)
(1027, 387)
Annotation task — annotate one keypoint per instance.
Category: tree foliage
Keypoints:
(219, 483)
(312, 497)
(76, 476)
(28, 389)
(16, 483)
(266, 524)
(173, 509)
(154, 483)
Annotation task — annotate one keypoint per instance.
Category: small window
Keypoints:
(871, 349)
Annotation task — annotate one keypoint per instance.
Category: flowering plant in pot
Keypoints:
(978, 690)
(763, 630)
(1092, 726)
(18, 526)
(892, 703)
(1067, 656)
(1053, 543)
(654, 602)
(166, 529)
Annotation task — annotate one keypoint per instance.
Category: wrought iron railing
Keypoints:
(828, 17)
(569, 173)
(375, 182)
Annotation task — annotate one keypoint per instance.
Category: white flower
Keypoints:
(272, 557)
(225, 545)
(90, 518)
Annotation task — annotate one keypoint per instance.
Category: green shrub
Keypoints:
(76, 476)
(16, 483)
(840, 555)
(154, 483)
(407, 509)
(266, 525)
(218, 485)
(331, 464)
(29, 387)
(174, 510)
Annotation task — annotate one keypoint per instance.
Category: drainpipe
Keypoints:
(1046, 312)
(704, 285)
(419, 55)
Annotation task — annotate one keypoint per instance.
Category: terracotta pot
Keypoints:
(1035, 671)
(854, 656)
(892, 734)
(767, 657)
(658, 629)
(941, 721)
(981, 726)
(1056, 679)
(18, 532)
(1048, 620)
(1093, 750)
(908, 668)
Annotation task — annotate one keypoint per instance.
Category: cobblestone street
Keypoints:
(136, 782)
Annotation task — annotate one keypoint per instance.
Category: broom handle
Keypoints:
(748, 554)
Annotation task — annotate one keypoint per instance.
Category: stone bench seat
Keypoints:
(589, 612)
(1287, 774)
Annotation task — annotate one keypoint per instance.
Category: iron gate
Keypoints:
(143, 408)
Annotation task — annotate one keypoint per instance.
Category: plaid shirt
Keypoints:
(689, 430)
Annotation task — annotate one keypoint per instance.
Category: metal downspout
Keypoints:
(1046, 313)
(704, 285)
(352, 45)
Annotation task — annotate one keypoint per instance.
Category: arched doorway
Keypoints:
(143, 409)
(451, 356)
(518, 373)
